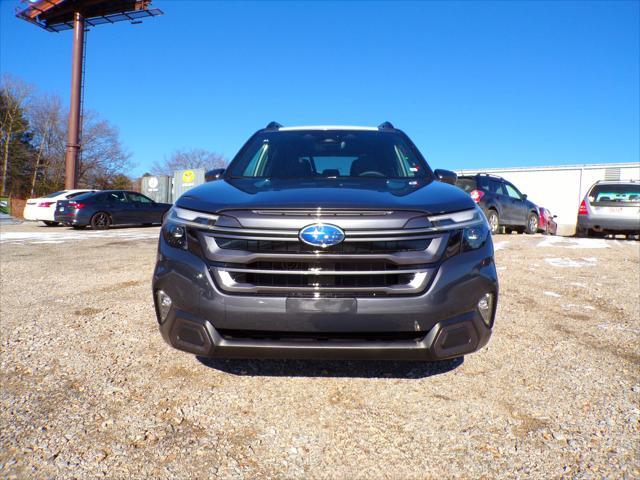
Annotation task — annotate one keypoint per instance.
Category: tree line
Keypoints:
(33, 137)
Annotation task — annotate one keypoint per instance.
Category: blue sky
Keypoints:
(475, 84)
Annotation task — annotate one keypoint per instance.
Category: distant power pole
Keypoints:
(59, 15)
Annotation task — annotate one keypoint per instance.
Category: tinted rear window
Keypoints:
(617, 193)
(466, 184)
(54, 194)
(77, 194)
(85, 196)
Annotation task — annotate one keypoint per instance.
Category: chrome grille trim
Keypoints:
(321, 272)
(238, 256)
(456, 220)
(347, 239)
(324, 213)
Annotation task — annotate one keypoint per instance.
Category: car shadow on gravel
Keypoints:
(331, 368)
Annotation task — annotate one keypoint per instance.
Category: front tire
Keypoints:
(49, 223)
(494, 221)
(532, 224)
(100, 221)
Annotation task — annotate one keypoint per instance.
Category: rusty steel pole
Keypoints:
(73, 136)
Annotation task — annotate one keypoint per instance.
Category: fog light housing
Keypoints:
(164, 305)
(485, 307)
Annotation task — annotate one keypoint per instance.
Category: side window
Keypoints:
(497, 187)
(138, 198)
(512, 192)
(115, 197)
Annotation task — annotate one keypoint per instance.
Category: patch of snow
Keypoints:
(569, 306)
(500, 245)
(551, 294)
(569, 242)
(67, 236)
(563, 262)
(620, 328)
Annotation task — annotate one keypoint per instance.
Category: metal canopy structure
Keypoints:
(59, 15)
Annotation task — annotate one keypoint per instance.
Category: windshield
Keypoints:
(328, 154)
(615, 193)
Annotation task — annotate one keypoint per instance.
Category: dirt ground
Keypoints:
(89, 388)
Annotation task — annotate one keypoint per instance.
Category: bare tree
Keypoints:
(102, 155)
(15, 95)
(47, 127)
(187, 159)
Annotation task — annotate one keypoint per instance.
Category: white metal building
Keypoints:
(562, 188)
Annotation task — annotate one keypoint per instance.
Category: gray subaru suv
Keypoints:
(326, 242)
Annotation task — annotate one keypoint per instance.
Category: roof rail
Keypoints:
(273, 126)
(386, 126)
(491, 175)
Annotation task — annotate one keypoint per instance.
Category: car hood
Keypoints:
(428, 196)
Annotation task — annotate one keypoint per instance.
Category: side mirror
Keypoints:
(524, 196)
(555, 216)
(214, 174)
(446, 176)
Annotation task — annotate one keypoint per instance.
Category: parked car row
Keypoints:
(610, 207)
(98, 209)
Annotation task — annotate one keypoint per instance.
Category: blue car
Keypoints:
(103, 209)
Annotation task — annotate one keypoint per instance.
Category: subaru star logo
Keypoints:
(321, 235)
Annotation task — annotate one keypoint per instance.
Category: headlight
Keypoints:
(473, 234)
(180, 224)
(182, 216)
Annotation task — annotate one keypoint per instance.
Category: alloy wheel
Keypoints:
(493, 222)
(100, 221)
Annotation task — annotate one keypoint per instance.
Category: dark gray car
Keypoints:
(326, 242)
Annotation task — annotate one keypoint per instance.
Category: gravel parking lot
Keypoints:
(90, 389)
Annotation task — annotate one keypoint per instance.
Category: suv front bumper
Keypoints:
(442, 322)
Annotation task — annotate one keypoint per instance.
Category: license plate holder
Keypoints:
(321, 305)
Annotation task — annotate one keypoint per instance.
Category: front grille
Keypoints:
(377, 257)
(321, 274)
(345, 248)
